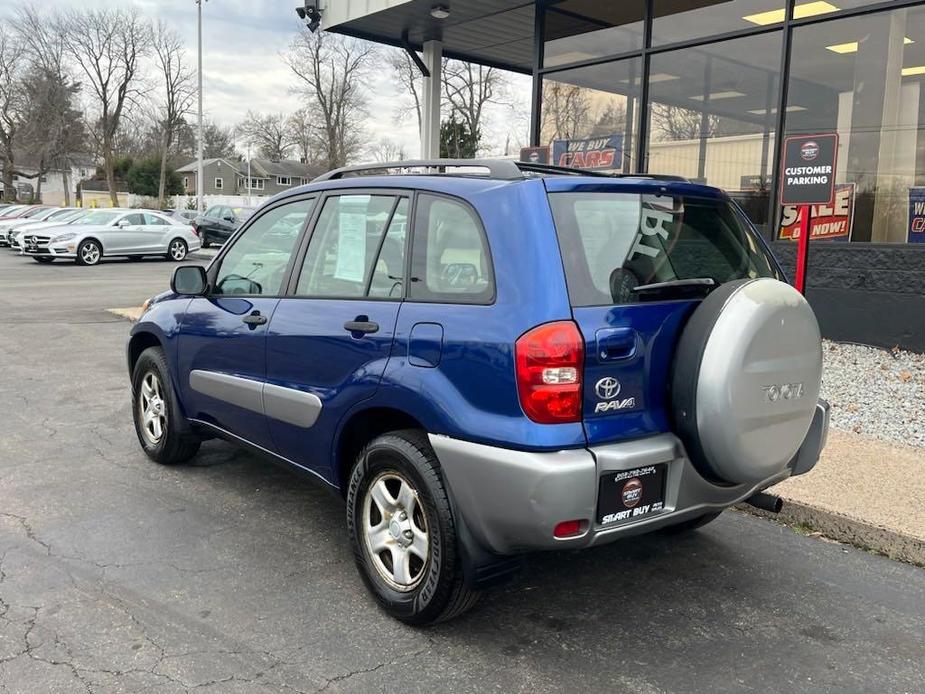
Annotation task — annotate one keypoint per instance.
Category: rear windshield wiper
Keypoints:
(685, 287)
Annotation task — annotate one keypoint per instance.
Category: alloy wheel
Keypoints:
(177, 250)
(90, 253)
(395, 531)
(152, 408)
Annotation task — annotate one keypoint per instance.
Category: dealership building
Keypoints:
(709, 90)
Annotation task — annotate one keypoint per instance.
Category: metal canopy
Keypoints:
(498, 33)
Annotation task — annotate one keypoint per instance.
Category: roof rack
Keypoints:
(503, 169)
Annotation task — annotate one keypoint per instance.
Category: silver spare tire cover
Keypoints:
(746, 380)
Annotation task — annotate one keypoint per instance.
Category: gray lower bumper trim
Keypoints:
(512, 500)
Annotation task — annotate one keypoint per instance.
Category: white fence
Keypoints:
(184, 202)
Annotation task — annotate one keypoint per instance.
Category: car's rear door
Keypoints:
(615, 239)
(222, 353)
(330, 340)
(155, 234)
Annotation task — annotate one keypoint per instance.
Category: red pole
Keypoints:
(803, 248)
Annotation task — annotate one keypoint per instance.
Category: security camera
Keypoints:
(310, 14)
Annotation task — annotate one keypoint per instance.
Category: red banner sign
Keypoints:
(827, 221)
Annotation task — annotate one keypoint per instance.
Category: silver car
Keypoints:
(37, 212)
(65, 215)
(112, 232)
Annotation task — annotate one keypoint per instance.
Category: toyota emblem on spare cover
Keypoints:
(809, 150)
(607, 388)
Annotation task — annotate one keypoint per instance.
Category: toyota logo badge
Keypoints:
(607, 388)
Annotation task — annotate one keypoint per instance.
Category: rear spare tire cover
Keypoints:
(746, 380)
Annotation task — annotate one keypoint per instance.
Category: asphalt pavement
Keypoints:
(232, 575)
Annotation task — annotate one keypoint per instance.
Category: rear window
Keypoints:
(613, 242)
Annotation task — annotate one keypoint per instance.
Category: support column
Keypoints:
(430, 108)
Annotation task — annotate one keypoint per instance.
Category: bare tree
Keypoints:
(386, 150)
(54, 128)
(13, 104)
(268, 133)
(108, 45)
(678, 123)
(332, 70)
(303, 134)
(566, 110)
(217, 141)
(469, 88)
(178, 94)
(407, 79)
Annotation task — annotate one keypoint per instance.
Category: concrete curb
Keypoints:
(836, 526)
(130, 314)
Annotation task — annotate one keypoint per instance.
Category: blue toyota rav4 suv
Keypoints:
(488, 358)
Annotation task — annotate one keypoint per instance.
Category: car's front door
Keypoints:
(123, 236)
(222, 346)
(329, 341)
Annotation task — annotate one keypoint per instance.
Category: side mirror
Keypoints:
(123, 223)
(229, 218)
(189, 280)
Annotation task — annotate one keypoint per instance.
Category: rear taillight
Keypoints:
(195, 229)
(549, 362)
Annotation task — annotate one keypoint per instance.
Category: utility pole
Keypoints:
(199, 205)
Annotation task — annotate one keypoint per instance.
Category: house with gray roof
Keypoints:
(229, 177)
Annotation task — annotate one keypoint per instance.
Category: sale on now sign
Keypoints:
(827, 221)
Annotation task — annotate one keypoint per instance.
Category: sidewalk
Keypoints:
(865, 492)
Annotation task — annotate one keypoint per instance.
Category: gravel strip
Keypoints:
(875, 392)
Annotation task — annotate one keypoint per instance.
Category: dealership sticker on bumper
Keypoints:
(627, 494)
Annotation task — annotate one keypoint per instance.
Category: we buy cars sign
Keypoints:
(827, 221)
(592, 153)
(809, 170)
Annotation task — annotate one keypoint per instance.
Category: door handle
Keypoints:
(255, 319)
(361, 326)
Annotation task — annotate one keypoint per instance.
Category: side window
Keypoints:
(154, 220)
(134, 219)
(450, 262)
(256, 263)
(388, 273)
(344, 244)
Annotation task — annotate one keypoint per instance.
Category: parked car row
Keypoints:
(47, 233)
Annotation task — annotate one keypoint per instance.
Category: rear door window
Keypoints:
(612, 243)
(450, 258)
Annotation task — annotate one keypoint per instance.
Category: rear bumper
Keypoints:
(511, 501)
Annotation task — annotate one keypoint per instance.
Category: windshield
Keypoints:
(59, 215)
(612, 243)
(101, 217)
(34, 212)
(12, 211)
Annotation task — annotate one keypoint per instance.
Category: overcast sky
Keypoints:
(242, 69)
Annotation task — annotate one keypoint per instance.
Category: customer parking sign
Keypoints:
(916, 215)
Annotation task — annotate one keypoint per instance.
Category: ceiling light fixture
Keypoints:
(439, 11)
(718, 96)
(912, 71)
(852, 46)
(789, 109)
(807, 9)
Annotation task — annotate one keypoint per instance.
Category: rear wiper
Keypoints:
(693, 285)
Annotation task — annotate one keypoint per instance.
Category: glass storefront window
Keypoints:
(713, 114)
(589, 116)
(864, 79)
(682, 20)
(578, 30)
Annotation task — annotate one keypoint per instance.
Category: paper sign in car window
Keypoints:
(351, 247)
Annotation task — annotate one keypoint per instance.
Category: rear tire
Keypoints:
(177, 250)
(398, 510)
(156, 412)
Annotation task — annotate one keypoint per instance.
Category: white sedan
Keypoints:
(112, 232)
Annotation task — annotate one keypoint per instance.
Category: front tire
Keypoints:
(156, 411)
(403, 532)
(90, 252)
(177, 250)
